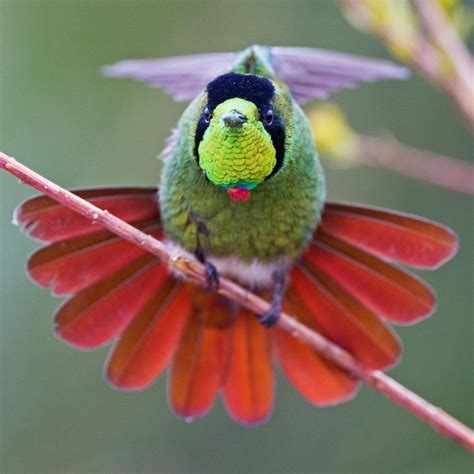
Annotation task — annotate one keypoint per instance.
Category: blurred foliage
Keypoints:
(398, 17)
(337, 141)
(60, 117)
(333, 135)
(461, 15)
(396, 22)
(394, 16)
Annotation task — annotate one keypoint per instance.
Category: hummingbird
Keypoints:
(243, 191)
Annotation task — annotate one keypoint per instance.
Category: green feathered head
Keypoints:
(240, 135)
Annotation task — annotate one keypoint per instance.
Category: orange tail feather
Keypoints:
(197, 370)
(396, 236)
(44, 219)
(340, 287)
(318, 380)
(248, 386)
(145, 348)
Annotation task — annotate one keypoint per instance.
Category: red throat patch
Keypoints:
(237, 194)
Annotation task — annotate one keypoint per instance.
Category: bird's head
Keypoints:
(240, 133)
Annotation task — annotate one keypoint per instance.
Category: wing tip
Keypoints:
(403, 73)
(118, 69)
(125, 68)
(393, 70)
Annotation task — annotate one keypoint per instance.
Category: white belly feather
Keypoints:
(254, 274)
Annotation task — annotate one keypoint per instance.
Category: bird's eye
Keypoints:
(207, 115)
(269, 117)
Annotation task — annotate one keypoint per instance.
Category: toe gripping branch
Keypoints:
(212, 275)
(271, 317)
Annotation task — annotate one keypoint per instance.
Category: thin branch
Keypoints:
(441, 32)
(458, 85)
(336, 139)
(423, 51)
(432, 168)
(193, 270)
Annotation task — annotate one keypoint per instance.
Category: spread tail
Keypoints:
(345, 286)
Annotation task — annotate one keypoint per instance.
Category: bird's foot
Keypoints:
(271, 317)
(212, 277)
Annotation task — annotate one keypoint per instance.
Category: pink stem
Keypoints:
(424, 55)
(439, 170)
(440, 33)
(424, 410)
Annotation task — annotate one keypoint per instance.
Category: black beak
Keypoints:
(233, 119)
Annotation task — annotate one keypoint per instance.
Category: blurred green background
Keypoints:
(61, 117)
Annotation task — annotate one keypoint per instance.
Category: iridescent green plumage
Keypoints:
(281, 215)
(240, 154)
(218, 197)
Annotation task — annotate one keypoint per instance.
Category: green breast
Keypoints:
(278, 220)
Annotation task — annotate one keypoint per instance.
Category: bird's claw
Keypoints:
(270, 318)
(212, 277)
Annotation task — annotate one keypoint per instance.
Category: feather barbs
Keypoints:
(341, 287)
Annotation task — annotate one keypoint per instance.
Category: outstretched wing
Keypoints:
(182, 77)
(316, 73)
(308, 72)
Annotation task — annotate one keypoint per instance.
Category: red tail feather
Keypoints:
(101, 312)
(388, 291)
(72, 265)
(344, 320)
(147, 345)
(198, 367)
(248, 385)
(396, 236)
(338, 288)
(317, 379)
(44, 219)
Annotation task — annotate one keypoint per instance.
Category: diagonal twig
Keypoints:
(444, 171)
(422, 49)
(193, 270)
(460, 83)
(441, 33)
(336, 139)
